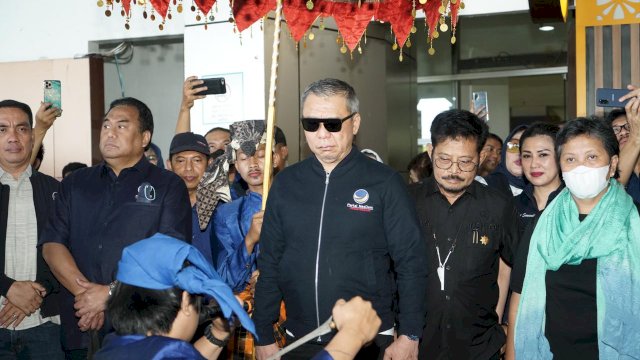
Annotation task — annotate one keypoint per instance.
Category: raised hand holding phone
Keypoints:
(53, 93)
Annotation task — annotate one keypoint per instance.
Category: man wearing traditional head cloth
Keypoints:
(237, 224)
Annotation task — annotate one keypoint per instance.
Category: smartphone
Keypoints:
(52, 93)
(214, 86)
(609, 97)
(480, 101)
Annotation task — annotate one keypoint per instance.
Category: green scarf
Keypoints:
(611, 234)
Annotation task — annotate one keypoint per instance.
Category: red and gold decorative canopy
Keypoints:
(351, 17)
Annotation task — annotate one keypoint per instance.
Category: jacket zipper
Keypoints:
(324, 197)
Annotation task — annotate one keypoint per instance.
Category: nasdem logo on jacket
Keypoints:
(360, 197)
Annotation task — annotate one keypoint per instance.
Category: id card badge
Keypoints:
(441, 277)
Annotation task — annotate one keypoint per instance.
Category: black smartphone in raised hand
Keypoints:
(609, 97)
(215, 86)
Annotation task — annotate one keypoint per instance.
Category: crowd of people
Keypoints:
(526, 248)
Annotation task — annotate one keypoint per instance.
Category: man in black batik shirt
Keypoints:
(468, 228)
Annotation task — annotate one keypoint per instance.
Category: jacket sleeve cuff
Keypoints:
(410, 329)
(5, 284)
(265, 336)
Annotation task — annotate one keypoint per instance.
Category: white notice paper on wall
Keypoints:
(224, 109)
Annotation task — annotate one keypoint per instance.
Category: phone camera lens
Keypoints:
(603, 101)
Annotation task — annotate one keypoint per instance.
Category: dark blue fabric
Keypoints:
(231, 223)
(528, 207)
(158, 155)
(41, 342)
(142, 347)
(201, 239)
(517, 181)
(323, 355)
(97, 214)
(368, 224)
(633, 187)
(165, 269)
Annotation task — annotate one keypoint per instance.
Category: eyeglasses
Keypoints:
(331, 124)
(513, 147)
(463, 165)
(618, 129)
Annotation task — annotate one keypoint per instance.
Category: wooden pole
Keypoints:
(271, 110)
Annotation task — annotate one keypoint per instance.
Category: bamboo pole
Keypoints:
(271, 110)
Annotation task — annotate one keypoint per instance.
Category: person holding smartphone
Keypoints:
(626, 126)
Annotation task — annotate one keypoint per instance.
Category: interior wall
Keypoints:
(154, 76)
(402, 113)
(384, 86)
(76, 117)
(497, 99)
(239, 60)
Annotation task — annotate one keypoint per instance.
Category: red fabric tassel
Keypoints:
(205, 5)
(161, 7)
(298, 17)
(126, 4)
(352, 21)
(246, 12)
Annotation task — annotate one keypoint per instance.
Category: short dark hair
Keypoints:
(332, 87)
(614, 114)
(136, 310)
(495, 137)
(279, 137)
(71, 167)
(539, 129)
(454, 124)
(422, 165)
(20, 106)
(592, 127)
(218, 129)
(144, 113)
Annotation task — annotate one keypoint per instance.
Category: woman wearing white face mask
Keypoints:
(579, 296)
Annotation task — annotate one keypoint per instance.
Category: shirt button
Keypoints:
(449, 239)
(100, 246)
(448, 297)
(448, 326)
(448, 267)
(450, 210)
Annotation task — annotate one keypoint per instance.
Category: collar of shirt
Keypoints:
(433, 188)
(25, 174)
(142, 165)
(528, 191)
(343, 166)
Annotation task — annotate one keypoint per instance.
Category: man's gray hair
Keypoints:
(333, 87)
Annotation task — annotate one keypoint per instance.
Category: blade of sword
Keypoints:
(325, 328)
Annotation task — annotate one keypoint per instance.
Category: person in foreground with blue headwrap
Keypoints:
(162, 291)
(165, 287)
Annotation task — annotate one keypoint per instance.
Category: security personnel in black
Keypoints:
(468, 228)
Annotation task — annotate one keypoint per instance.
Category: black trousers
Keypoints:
(374, 350)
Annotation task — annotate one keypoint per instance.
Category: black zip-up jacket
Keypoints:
(44, 189)
(338, 235)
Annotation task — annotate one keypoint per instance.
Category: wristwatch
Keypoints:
(413, 337)
(212, 339)
(112, 286)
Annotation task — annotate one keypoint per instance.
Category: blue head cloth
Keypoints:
(157, 263)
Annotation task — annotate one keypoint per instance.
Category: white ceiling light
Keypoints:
(546, 27)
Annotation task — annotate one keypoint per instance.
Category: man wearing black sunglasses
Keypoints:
(333, 226)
